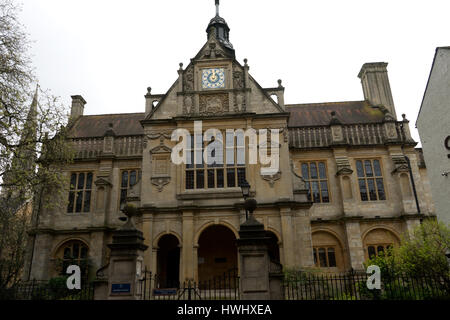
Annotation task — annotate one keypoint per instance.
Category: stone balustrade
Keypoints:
(353, 135)
(91, 148)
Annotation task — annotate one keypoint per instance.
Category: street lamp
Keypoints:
(245, 187)
(250, 204)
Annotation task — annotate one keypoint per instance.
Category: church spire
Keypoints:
(218, 27)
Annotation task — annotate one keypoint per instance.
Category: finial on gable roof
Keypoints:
(217, 7)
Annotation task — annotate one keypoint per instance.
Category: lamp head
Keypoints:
(245, 187)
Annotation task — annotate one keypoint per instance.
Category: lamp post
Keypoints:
(250, 204)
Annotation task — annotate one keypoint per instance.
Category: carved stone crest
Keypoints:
(272, 178)
(214, 104)
(160, 182)
(160, 165)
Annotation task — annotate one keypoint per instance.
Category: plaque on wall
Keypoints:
(120, 288)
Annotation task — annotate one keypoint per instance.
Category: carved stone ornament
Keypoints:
(134, 193)
(239, 105)
(160, 182)
(103, 182)
(188, 79)
(391, 131)
(213, 52)
(159, 134)
(401, 168)
(238, 79)
(400, 163)
(272, 178)
(214, 104)
(337, 133)
(298, 182)
(188, 104)
(343, 166)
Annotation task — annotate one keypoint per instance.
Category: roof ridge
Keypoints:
(323, 103)
(113, 114)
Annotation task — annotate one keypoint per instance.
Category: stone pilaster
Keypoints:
(147, 229)
(287, 233)
(355, 244)
(187, 251)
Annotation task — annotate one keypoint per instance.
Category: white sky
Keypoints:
(110, 51)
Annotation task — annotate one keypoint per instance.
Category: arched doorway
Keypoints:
(217, 252)
(168, 273)
(273, 248)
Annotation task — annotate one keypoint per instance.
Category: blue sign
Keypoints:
(121, 288)
(164, 292)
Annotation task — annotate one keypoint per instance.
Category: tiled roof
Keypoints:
(302, 115)
(126, 124)
(319, 114)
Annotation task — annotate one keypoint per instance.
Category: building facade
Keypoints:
(433, 124)
(342, 191)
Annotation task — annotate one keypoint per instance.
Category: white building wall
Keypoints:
(433, 124)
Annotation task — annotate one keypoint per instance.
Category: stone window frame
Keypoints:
(121, 188)
(75, 190)
(376, 246)
(319, 180)
(327, 256)
(239, 171)
(374, 177)
(79, 260)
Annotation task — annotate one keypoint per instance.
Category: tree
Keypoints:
(422, 254)
(33, 144)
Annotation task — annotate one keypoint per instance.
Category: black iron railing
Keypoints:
(43, 290)
(353, 286)
(224, 287)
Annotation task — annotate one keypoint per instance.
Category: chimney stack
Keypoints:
(376, 87)
(77, 110)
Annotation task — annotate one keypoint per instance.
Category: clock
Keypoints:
(213, 78)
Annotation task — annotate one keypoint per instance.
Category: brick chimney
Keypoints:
(376, 87)
(77, 110)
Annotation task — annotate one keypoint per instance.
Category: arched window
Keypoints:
(73, 252)
(379, 241)
(327, 251)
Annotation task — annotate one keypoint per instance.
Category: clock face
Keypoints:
(213, 78)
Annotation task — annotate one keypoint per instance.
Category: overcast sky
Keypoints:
(110, 51)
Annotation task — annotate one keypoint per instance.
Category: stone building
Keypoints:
(342, 191)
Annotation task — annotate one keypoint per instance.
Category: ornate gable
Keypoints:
(215, 84)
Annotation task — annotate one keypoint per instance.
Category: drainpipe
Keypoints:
(413, 185)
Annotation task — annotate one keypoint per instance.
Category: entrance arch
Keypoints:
(273, 247)
(217, 252)
(168, 269)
